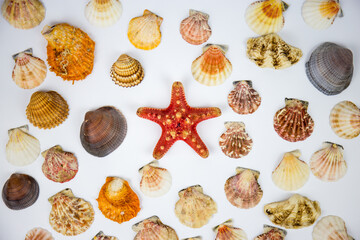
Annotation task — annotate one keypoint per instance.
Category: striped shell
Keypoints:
(244, 99)
(330, 228)
(226, 231)
(272, 233)
(103, 13)
(153, 229)
(345, 120)
(127, 71)
(38, 234)
(195, 28)
(102, 236)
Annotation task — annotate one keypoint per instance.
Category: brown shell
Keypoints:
(153, 229)
(38, 234)
(244, 99)
(195, 28)
(127, 71)
(272, 233)
(102, 236)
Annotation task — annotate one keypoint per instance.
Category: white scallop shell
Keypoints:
(103, 13)
(330, 228)
(226, 231)
(345, 120)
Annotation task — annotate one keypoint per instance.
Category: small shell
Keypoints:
(29, 71)
(195, 28)
(272, 233)
(102, 236)
(292, 122)
(70, 215)
(103, 13)
(153, 229)
(20, 191)
(226, 231)
(345, 120)
(127, 71)
(47, 109)
(144, 31)
(38, 234)
(330, 228)
(235, 142)
(243, 189)
(194, 238)
(212, 67)
(194, 209)
(244, 99)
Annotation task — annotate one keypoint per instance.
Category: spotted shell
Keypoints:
(345, 120)
(244, 99)
(226, 231)
(153, 229)
(272, 233)
(102, 236)
(127, 71)
(38, 234)
(103, 13)
(330, 227)
(195, 28)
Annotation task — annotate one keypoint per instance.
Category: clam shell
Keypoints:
(102, 236)
(23, 14)
(345, 120)
(103, 130)
(22, 148)
(20, 191)
(195, 28)
(127, 71)
(70, 51)
(29, 71)
(244, 99)
(226, 231)
(38, 234)
(144, 31)
(272, 233)
(330, 227)
(330, 68)
(47, 109)
(103, 13)
(153, 229)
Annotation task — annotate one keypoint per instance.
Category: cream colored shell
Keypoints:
(330, 228)
(103, 13)
(226, 231)
(38, 234)
(345, 120)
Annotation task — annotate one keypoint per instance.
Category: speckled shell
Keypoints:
(144, 31)
(47, 109)
(23, 14)
(103, 13)
(127, 71)
(293, 123)
(70, 215)
(102, 236)
(195, 28)
(330, 228)
(244, 99)
(212, 67)
(294, 213)
(235, 142)
(345, 120)
(38, 234)
(272, 233)
(70, 51)
(153, 229)
(194, 209)
(270, 51)
(103, 131)
(226, 231)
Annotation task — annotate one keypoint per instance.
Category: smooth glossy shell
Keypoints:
(330, 228)
(226, 231)
(103, 13)
(244, 99)
(272, 233)
(38, 234)
(345, 120)
(102, 236)
(127, 71)
(153, 229)
(195, 28)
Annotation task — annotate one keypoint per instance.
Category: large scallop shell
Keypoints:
(195, 28)
(70, 51)
(243, 189)
(144, 31)
(330, 228)
(244, 99)
(103, 130)
(70, 215)
(296, 212)
(29, 71)
(102, 236)
(226, 231)
(293, 123)
(212, 67)
(345, 120)
(47, 109)
(272, 233)
(153, 229)
(127, 71)
(103, 13)
(38, 234)
(23, 14)
(194, 209)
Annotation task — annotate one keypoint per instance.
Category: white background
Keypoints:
(170, 62)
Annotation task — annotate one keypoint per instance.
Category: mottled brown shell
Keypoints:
(244, 99)
(272, 233)
(153, 229)
(127, 71)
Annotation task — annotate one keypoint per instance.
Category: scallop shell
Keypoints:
(102, 236)
(330, 227)
(293, 123)
(70, 51)
(70, 215)
(29, 71)
(20, 191)
(194, 238)
(103, 130)
(244, 99)
(345, 120)
(47, 109)
(144, 31)
(270, 51)
(272, 233)
(22, 148)
(330, 68)
(226, 231)
(155, 181)
(195, 28)
(59, 166)
(212, 67)
(117, 201)
(294, 213)
(194, 209)
(266, 16)
(103, 13)
(127, 71)
(38, 234)
(23, 14)
(153, 229)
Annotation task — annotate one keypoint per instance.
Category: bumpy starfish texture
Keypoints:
(178, 122)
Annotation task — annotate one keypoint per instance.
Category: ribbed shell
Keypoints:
(195, 28)
(272, 233)
(345, 120)
(127, 71)
(102, 236)
(226, 231)
(330, 228)
(38, 234)
(103, 13)
(153, 229)
(244, 99)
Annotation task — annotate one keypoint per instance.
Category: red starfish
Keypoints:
(178, 122)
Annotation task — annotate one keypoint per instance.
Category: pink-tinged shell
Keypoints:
(226, 231)
(38, 234)
(59, 166)
(272, 233)
(102, 236)
(244, 99)
(195, 28)
(235, 142)
(292, 122)
(330, 228)
(153, 229)
(345, 120)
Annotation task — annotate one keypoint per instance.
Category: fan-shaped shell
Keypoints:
(153, 229)
(38, 234)
(195, 28)
(70, 51)
(117, 201)
(212, 67)
(103, 13)
(243, 189)
(272, 233)
(144, 31)
(102, 236)
(127, 71)
(345, 120)
(47, 109)
(23, 14)
(293, 123)
(70, 215)
(20, 191)
(270, 51)
(244, 99)
(226, 231)
(103, 130)
(59, 166)
(330, 227)
(194, 209)
(194, 238)
(296, 212)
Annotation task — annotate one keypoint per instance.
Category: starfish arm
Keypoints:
(163, 145)
(195, 142)
(153, 114)
(200, 114)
